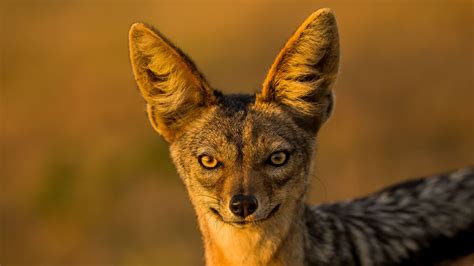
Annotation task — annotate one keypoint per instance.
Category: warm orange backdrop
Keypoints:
(85, 180)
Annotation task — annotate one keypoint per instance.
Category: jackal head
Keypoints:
(245, 159)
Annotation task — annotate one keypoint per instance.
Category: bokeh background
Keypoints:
(86, 181)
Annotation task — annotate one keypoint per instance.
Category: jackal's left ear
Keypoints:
(174, 90)
(304, 71)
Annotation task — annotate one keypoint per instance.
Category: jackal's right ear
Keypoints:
(174, 90)
(305, 70)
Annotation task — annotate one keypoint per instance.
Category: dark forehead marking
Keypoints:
(234, 109)
(233, 104)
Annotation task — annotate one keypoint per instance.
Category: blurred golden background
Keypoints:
(86, 181)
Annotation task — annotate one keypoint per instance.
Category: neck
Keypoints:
(278, 241)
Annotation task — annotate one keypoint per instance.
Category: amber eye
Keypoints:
(208, 162)
(278, 158)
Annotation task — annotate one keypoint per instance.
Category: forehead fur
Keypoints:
(236, 124)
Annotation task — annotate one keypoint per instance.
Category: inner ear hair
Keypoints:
(175, 91)
(305, 70)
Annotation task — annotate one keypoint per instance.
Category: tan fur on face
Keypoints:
(305, 69)
(274, 241)
(277, 242)
(242, 132)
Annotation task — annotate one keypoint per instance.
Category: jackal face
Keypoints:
(245, 159)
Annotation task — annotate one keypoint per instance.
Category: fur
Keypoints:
(423, 221)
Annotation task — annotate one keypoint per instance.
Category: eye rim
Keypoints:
(270, 162)
(217, 165)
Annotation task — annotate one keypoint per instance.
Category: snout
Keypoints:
(243, 205)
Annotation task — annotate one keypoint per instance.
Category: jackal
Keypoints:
(246, 161)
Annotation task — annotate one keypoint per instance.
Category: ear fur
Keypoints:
(173, 88)
(305, 69)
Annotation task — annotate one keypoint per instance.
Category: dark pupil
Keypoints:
(277, 157)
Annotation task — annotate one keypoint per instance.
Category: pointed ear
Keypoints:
(305, 70)
(174, 90)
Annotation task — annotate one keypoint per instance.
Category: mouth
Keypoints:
(242, 223)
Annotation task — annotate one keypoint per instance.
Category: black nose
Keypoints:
(243, 205)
